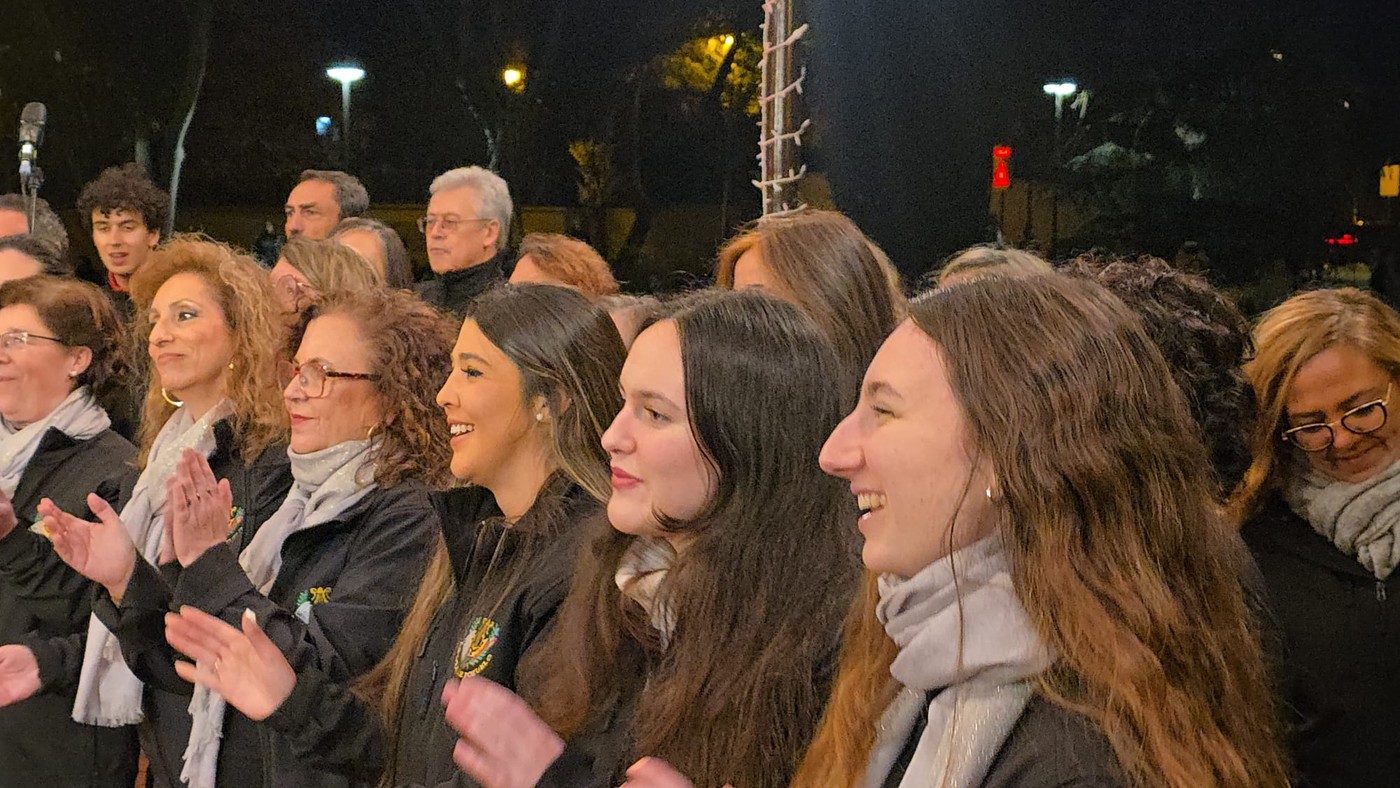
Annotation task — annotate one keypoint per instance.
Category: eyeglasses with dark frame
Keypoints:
(11, 340)
(1360, 420)
(312, 376)
(448, 223)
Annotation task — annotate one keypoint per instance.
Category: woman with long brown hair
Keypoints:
(821, 262)
(532, 381)
(1321, 512)
(702, 623)
(1059, 600)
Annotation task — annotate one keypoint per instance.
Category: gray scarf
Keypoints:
(640, 575)
(1362, 520)
(961, 632)
(78, 416)
(327, 483)
(109, 694)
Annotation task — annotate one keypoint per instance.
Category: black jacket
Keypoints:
(335, 607)
(454, 291)
(1341, 627)
(43, 605)
(510, 581)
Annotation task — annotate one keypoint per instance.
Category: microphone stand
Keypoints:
(30, 179)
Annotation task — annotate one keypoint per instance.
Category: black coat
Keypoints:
(44, 606)
(454, 291)
(509, 582)
(1341, 628)
(335, 607)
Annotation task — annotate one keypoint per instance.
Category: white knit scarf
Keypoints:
(961, 631)
(109, 694)
(1362, 520)
(640, 575)
(326, 484)
(78, 416)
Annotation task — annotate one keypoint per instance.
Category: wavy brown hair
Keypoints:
(989, 260)
(80, 315)
(1119, 555)
(568, 352)
(253, 318)
(571, 261)
(1289, 336)
(410, 348)
(761, 586)
(836, 274)
(331, 266)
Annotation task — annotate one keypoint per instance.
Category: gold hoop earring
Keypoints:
(174, 403)
(370, 435)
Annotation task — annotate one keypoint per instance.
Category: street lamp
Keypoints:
(346, 74)
(1061, 91)
(514, 78)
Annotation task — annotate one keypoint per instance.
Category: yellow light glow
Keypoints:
(729, 40)
(513, 77)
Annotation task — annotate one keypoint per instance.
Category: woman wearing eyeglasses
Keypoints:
(309, 268)
(330, 573)
(61, 359)
(1321, 503)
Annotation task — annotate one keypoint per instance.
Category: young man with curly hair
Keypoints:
(126, 212)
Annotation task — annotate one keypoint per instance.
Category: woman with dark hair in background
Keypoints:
(23, 256)
(1321, 512)
(821, 262)
(533, 382)
(1060, 599)
(702, 623)
(213, 336)
(986, 262)
(61, 360)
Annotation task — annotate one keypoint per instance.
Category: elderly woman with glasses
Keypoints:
(331, 573)
(1321, 509)
(61, 359)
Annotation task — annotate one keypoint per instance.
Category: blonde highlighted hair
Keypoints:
(244, 295)
(1289, 336)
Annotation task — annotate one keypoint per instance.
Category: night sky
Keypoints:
(907, 94)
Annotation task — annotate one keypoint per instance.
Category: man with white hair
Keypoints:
(466, 228)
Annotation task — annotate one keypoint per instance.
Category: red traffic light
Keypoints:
(1346, 239)
(1001, 152)
(1001, 175)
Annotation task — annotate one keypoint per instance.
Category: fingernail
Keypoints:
(249, 615)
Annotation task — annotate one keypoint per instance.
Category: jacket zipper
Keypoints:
(1380, 591)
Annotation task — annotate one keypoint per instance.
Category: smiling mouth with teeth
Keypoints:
(869, 502)
(461, 429)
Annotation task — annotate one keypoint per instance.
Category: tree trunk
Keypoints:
(201, 22)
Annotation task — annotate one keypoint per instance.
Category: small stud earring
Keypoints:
(989, 493)
(539, 417)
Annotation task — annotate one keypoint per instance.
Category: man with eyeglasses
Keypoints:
(466, 230)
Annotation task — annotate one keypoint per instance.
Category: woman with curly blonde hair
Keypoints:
(208, 318)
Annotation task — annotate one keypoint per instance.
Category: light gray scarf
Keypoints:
(640, 575)
(1362, 520)
(108, 693)
(969, 639)
(326, 484)
(78, 416)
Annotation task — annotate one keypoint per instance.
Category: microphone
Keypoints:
(31, 135)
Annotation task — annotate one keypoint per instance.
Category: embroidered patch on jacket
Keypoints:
(474, 652)
(315, 595)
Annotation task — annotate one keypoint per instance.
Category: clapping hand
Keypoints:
(197, 508)
(102, 551)
(19, 674)
(244, 667)
(503, 744)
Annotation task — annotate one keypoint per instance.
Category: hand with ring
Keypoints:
(244, 666)
(197, 508)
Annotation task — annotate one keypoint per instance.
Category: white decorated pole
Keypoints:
(782, 122)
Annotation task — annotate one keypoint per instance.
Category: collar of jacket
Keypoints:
(468, 283)
(1277, 528)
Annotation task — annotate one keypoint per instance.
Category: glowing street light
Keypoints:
(346, 74)
(514, 78)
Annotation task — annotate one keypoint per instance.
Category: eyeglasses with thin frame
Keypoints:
(1360, 420)
(447, 223)
(312, 376)
(12, 340)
